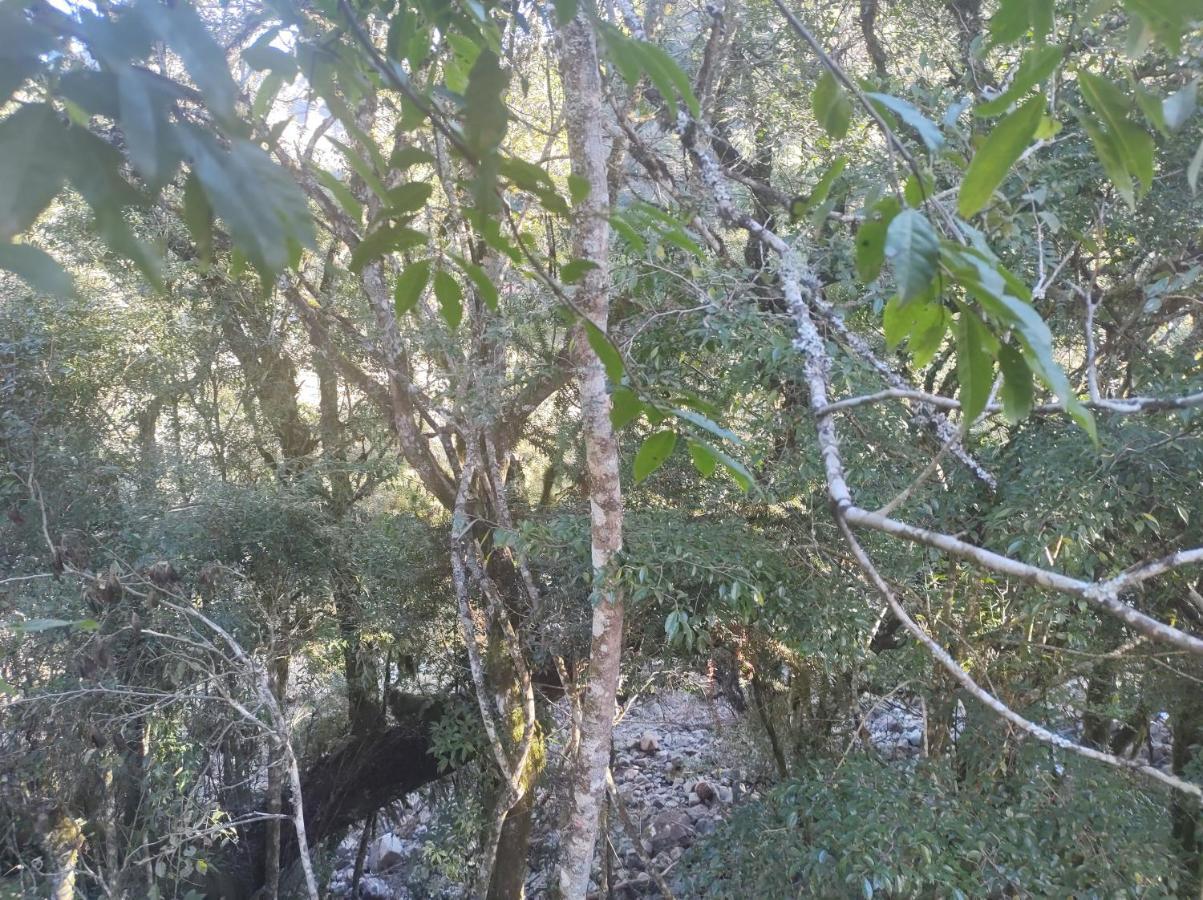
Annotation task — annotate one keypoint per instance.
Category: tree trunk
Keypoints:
(278, 672)
(584, 110)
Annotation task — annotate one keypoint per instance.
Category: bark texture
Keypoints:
(587, 146)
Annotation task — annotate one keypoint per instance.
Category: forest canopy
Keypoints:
(399, 399)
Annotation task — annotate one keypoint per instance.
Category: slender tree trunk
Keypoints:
(584, 110)
(278, 673)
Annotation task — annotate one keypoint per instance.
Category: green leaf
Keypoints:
(386, 239)
(565, 11)
(573, 271)
(261, 206)
(823, 188)
(1038, 63)
(37, 269)
(1152, 106)
(735, 469)
(484, 287)
(405, 156)
(450, 297)
(707, 424)
(871, 238)
(1129, 144)
(625, 407)
(181, 28)
(1017, 391)
(833, 109)
(668, 77)
(703, 458)
(994, 158)
(407, 198)
(610, 358)
(347, 200)
(578, 188)
(1109, 156)
(927, 332)
(410, 284)
(31, 166)
(1010, 22)
(198, 216)
(653, 452)
(913, 250)
(924, 127)
(146, 126)
(486, 118)
(975, 367)
(985, 279)
(34, 626)
(363, 168)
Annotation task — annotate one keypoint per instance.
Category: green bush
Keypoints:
(867, 829)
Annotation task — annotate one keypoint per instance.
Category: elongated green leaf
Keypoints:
(574, 270)
(407, 198)
(927, 130)
(982, 277)
(707, 424)
(994, 158)
(975, 366)
(31, 166)
(146, 125)
(362, 168)
(450, 297)
(263, 209)
(198, 216)
(347, 200)
(833, 109)
(703, 458)
(664, 72)
(1132, 146)
(1109, 156)
(410, 284)
(387, 239)
(405, 156)
(653, 452)
(871, 238)
(625, 407)
(735, 468)
(37, 269)
(913, 250)
(181, 28)
(1038, 63)
(819, 195)
(484, 287)
(1016, 392)
(610, 358)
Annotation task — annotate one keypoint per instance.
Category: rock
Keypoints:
(648, 743)
(671, 829)
(386, 852)
(373, 888)
(726, 795)
(705, 792)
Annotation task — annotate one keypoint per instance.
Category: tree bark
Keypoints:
(584, 109)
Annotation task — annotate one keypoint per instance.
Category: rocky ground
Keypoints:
(682, 761)
(673, 769)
